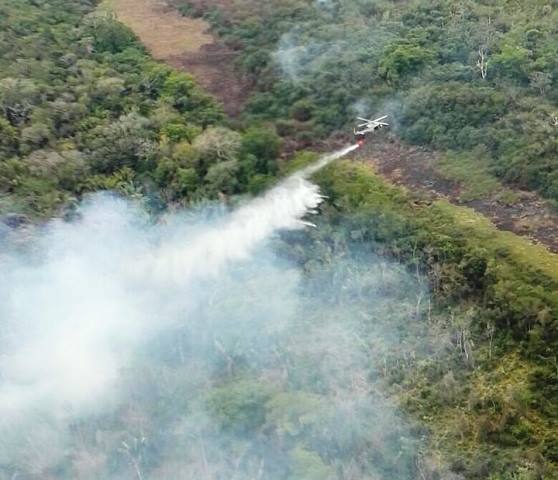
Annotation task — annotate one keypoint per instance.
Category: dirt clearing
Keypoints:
(163, 31)
(416, 169)
(187, 44)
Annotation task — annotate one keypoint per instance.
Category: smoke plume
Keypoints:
(190, 349)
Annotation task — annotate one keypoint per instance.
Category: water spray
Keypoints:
(326, 160)
(282, 208)
(97, 292)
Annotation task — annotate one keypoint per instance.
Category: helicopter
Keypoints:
(368, 126)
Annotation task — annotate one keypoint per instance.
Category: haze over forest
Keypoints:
(204, 276)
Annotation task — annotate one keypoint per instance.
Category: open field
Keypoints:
(186, 44)
(162, 30)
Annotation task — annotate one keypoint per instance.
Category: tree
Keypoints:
(402, 58)
(216, 144)
(8, 137)
(178, 90)
(223, 177)
(484, 35)
(308, 465)
(482, 61)
(303, 110)
(109, 35)
(65, 115)
(262, 145)
(540, 81)
(239, 406)
(124, 142)
(178, 131)
(17, 98)
(36, 135)
(512, 61)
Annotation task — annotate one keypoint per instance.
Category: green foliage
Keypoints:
(81, 102)
(514, 324)
(83, 108)
(402, 59)
(300, 160)
(240, 405)
(462, 114)
(291, 413)
(223, 176)
(177, 89)
(512, 62)
(451, 76)
(309, 466)
(470, 170)
(303, 110)
(109, 35)
(263, 145)
(176, 182)
(259, 183)
(177, 132)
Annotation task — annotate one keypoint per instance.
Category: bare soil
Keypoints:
(212, 65)
(186, 44)
(415, 168)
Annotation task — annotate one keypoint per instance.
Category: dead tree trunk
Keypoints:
(482, 62)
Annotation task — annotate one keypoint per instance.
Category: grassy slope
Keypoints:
(498, 294)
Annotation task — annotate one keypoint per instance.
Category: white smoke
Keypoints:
(114, 331)
(361, 107)
(71, 317)
(299, 57)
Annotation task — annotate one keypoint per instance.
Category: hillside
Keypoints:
(470, 80)
(181, 328)
(458, 76)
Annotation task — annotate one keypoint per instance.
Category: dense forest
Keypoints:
(84, 108)
(400, 338)
(470, 76)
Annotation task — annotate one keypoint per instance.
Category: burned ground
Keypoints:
(212, 65)
(186, 44)
(416, 168)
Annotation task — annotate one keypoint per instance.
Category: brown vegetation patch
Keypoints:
(212, 65)
(162, 30)
(231, 6)
(187, 44)
(415, 168)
